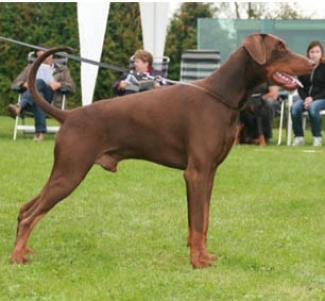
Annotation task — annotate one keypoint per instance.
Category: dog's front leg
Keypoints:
(199, 183)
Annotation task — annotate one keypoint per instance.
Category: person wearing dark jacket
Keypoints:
(256, 118)
(311, 97)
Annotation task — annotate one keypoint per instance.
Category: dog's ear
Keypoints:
(255, 46)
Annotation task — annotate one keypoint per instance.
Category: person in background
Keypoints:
(256, 118)
(271, 101)
(51, 80)
(311, 97)
(140, 78)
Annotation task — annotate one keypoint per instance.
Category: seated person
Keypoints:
(311, 97)
(256, 118)
(51, 80)
(141, 78)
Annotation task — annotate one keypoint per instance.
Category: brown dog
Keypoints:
(189, 127)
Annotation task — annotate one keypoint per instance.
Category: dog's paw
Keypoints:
(209, 256)
(29, 251)
(200, 263)
(18, 258)
(202, 260)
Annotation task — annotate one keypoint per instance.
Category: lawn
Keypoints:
(123, 236)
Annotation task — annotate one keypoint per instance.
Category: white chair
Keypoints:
(20, 124)
(289, 122)
(285, 103)
(305, 115)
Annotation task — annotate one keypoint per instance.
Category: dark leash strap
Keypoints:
(70, 56)
(216, 96)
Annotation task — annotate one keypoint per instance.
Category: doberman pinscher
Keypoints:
(188, 127)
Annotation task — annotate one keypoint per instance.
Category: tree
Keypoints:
(122, 38)
(264, 10)
(55, 24)
(182, 32)
(289, 11)
(45, 24)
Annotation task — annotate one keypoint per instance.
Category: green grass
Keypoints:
(123, 236)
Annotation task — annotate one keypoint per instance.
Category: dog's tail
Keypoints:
(37, 97)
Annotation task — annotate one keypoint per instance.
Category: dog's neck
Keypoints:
(236, 79)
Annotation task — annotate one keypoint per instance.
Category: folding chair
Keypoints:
(285, 98)
(305, 115)
(290, 96)
(20, 124)
(197, 64)
(160, 66)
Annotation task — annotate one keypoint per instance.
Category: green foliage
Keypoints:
(45, 24)
(55, 24)
(289, 11)
(265, 10)
(123, 37)
(182, 32)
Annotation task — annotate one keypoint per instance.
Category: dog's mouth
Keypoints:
(286, 80)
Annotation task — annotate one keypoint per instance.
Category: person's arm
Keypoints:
(272, 93)
(319, 78)
(64, 81)
(20, 82)
(122, 85)
(303, 91)
(119, 85)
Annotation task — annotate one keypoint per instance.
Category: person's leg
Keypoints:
(46, 90)
(258, 107)
(248, 119)
(40, 119)
(267, 115)
(296, 115)
(39, 115)
(315, 119)
(273, 106)
(24, 102)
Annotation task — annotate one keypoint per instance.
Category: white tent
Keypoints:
(92, 20)
(154, 19)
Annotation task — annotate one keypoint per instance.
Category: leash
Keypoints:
(216, 96)
(70, 56)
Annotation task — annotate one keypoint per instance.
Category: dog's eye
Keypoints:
(281, 47)
(279, 52)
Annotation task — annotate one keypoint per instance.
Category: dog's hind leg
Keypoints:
(25, 208)
(67, 173)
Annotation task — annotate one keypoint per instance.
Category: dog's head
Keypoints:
(280, 65)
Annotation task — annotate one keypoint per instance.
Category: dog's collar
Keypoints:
(216, 96)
